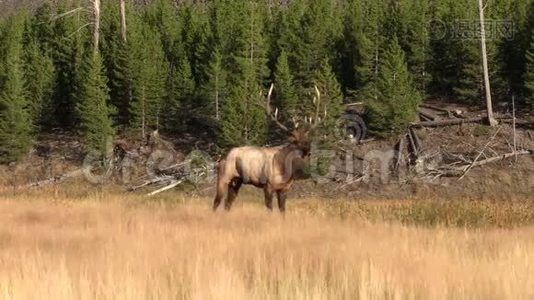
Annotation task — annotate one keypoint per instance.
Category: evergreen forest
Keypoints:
(190, 66)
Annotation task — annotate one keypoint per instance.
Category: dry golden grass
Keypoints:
(110, 247)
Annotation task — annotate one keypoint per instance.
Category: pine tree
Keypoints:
(513, 50)
(310, 32)
(42, 27)
(194, 38)
(286, 96)
(470, 85)
(162, 15)
(350, 46)
(529, 73)
(216, 89)
(40, 76)
(116, 55)
(149, 69)
(364, 30)
(331, 101)
(93, 110)
(241, 32)
(394, 102)
(456, 65)
(68, 40)
(15, 115)
(243, 121)
(411, 19)
(177, 106)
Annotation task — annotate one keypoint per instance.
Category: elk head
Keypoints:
(298, 136)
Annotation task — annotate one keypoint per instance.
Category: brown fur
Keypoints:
(271, 168)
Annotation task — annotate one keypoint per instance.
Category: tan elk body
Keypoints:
(274, 169)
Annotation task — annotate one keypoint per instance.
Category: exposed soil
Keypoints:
(58, 153)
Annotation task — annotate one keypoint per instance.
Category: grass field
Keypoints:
(112, 247)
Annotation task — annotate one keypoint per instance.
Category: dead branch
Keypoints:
(54, 180)
(480, 153)
(416, 139)
(167, 187)
(501, 157)
(150, 182)
(412, 149)
(356, 180)
(519, 123)
(458, 157)
(458, 171)
(399, 148)
(428, 116)
(366, 141)
(425, 119)
(429, 106)
(447, 122)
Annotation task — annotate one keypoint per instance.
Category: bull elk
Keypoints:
(274, 169)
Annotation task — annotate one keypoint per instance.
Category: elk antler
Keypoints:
(316, 120)
(274, 116)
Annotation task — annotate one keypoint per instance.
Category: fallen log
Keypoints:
(428, 116)
(447, 122)
(399, 146)
(425, 119)
(416, 139)
(458, 171)
(54, 180)
(149, 182)
(519, 123)
(412, 150)
(167, 187)
(501, 157)
(429, 106)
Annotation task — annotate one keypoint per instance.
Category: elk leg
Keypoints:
(268, 197)
(222, 189)
(282, 196)
(233, 189)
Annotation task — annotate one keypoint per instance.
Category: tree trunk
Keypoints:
(491, 120)
(447, 122)
(96, 29)
(217, 96)
(123, 20)
(143, 114)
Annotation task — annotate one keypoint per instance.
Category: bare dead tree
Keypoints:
(96, 24)
(123, 20)
(487, 87)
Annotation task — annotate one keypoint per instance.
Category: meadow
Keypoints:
(117, 246)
